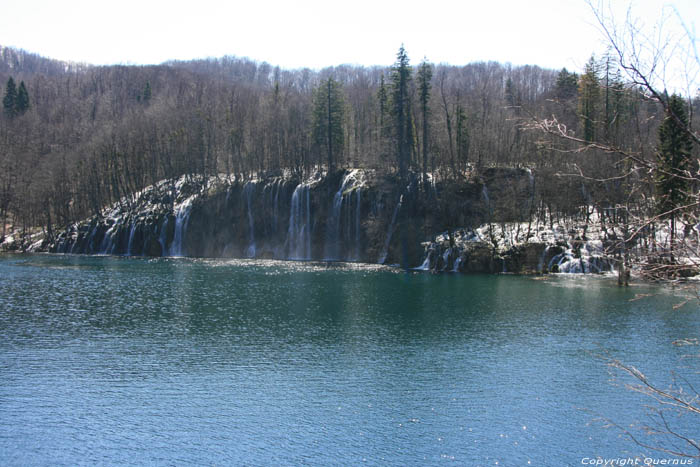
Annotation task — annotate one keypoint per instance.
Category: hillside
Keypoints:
(93, 135)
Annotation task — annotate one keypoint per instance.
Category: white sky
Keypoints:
(316, 33)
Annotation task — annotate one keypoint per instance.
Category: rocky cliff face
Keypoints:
(352, 215)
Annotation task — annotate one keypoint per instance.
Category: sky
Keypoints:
(316, 33)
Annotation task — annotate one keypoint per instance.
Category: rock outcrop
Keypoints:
(350, 215)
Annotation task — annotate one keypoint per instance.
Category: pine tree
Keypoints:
(328, 114)
(674, 161)
(462, 135)
(566, 85)
(425, 74)
(147, 92)
(9, 102)
(400, 79)
(512, 95)
(589, 94)
(22, 102)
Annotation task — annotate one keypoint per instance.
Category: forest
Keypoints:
(75, 138)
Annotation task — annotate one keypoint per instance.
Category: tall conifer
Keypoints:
(9, 102)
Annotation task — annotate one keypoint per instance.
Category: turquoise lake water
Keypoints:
(120, 361)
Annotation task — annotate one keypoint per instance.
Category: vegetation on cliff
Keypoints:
(75, 139)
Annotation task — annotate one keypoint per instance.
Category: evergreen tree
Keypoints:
(147, 92)
(22, 102)
(512, 96)
(9, 102)
(425, 74)
(566, 85)
(674, 161)
(400, 79)
(588, 94)
(618, 111)
(328, 114)
(462, 135)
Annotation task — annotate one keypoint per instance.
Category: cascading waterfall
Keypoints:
(531, 180)
(458, 261)
(91, 240)
(163, 237)
(107, 241)
(299, 234)
(390, 233)
(276, 204)
(271, 223)
(351, 229)
(334, 232)
(358, 234)
(426, 262)
(485, 197)
(248, 190)
(182, 218)
(131, 238)
(540, 263)
(446, 259)
(567, 262)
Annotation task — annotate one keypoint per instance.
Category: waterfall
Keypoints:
(446, 259)
(358, 234)
(487, 200)
(90, 247)
(278, 250)
(106, 244)
(531, 200)
(275, 207)
(182, 218)
(131, 238)
(248, 190)
(299, 234)
(458, 260)
(540, 263)
(334, 232)
(392, 226)
(163, 237)
(425, 266)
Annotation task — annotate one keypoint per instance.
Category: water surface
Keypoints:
(107, 360)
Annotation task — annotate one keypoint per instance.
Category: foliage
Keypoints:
(328, 114)
(87, 140)
(22, 103)
(9, 102)
(674, 153)
(401, 111)
(589, 94)
(425, 75)
(566, 86)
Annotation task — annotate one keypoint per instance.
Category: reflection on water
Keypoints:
(174, 361)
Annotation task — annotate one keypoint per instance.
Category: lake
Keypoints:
(132, 361)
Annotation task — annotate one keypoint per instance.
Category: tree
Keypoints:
(462, 135)
(9, 102)
(22, 102)
(566, 85)
(401, 77)
(147, 92)
(513, 98)
(425, 74)
(589, 93)
(674, 160)
(328, 117)
(383, 100)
